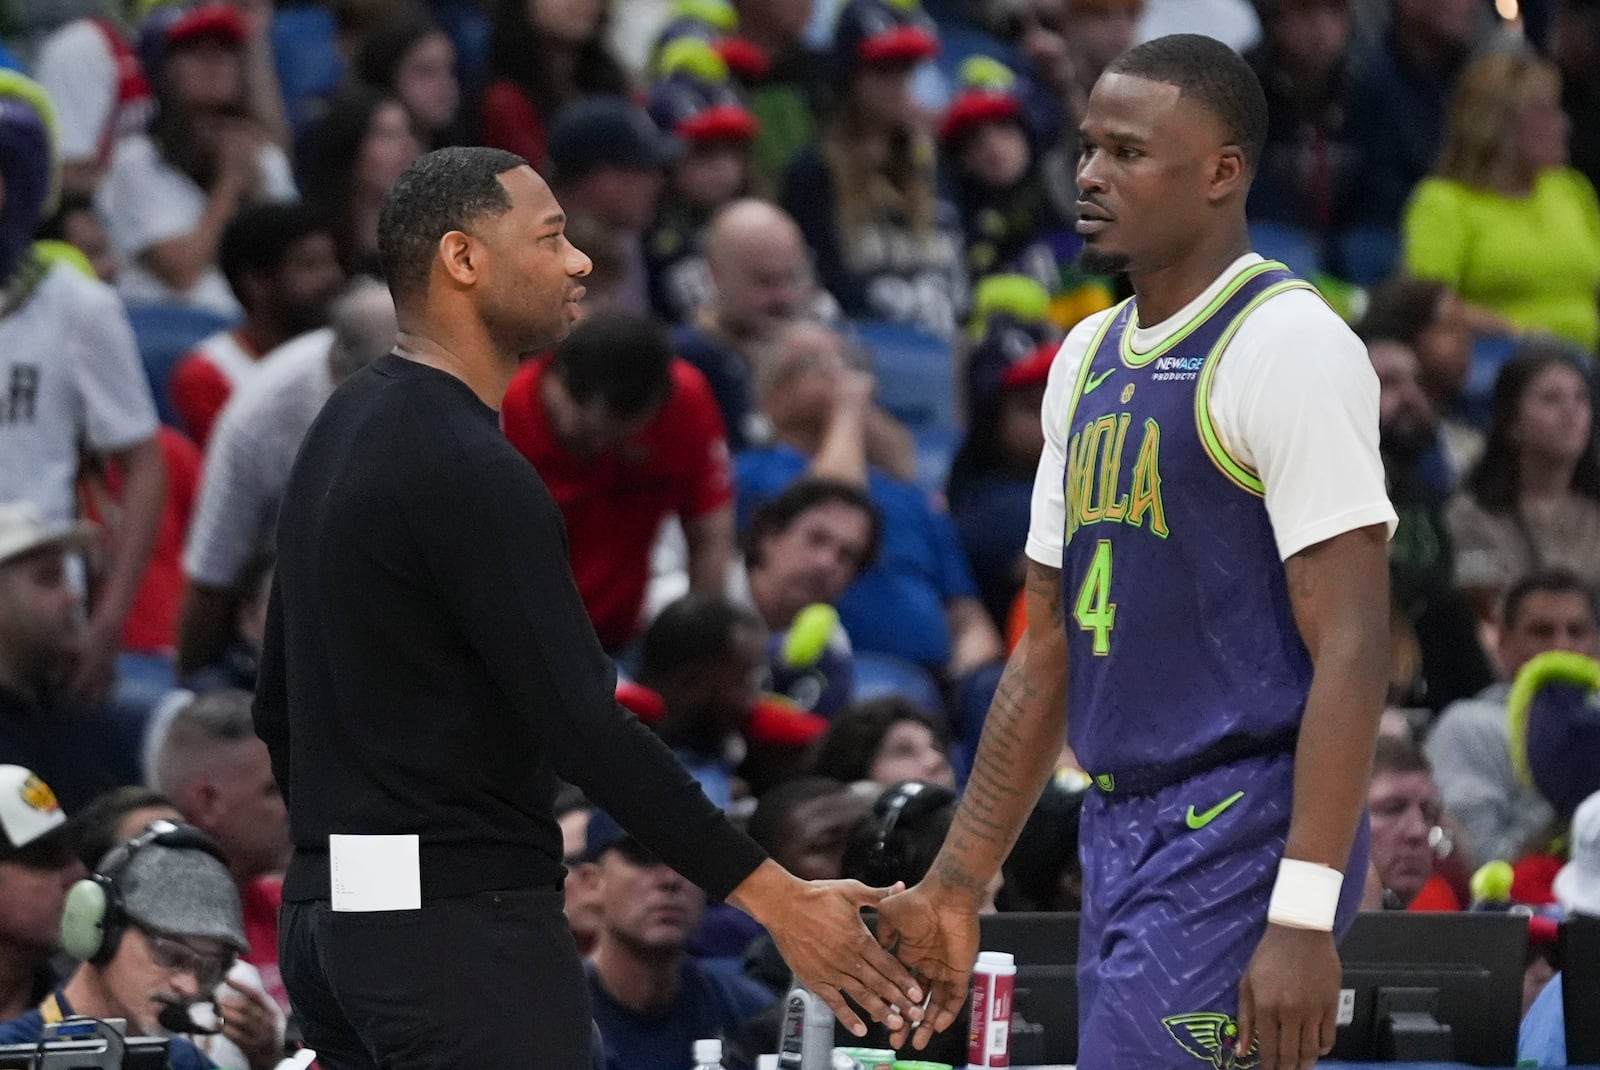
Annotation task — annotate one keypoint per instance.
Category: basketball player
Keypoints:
(1207, 594)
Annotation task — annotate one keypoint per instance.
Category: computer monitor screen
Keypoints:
(1580, 988)
(143, 1053)
(1426, 987)
(1044, 1012)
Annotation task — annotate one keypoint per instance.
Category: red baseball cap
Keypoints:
(1032, 369)
(219, 20)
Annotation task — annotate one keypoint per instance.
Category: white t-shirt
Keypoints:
(69, 372)
(76, 67)
(1294, 397)
(145, 201)
(249, 456)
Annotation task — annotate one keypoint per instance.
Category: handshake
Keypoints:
(912, 977)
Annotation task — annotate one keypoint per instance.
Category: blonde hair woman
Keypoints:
(886, 247)
(1504, 221)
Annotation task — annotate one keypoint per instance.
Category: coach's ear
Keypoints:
(459, 255)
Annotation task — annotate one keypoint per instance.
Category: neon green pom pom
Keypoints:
(1492, 882)
(809, 634)
(691, 56)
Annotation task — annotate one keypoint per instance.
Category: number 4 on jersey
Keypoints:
(1095, 612)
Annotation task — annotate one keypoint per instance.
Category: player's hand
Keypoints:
(819, 932)
(1289, 998)
(251, 1021)
(938, 939)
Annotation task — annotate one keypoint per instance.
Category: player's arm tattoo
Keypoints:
(1021, 741)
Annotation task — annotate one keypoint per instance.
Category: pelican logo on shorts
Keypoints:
(37, 794)
(1213, 1039)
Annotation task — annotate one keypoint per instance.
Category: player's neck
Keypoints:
(1162, 292)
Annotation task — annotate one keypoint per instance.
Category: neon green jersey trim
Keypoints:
(1240, 474)
(1134, 359)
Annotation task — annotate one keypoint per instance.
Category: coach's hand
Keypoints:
(1289, 998)
(938, 938)
(818, 929)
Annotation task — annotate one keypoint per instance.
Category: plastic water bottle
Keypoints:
(708, 1054)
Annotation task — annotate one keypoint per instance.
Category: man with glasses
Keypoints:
(168, 935)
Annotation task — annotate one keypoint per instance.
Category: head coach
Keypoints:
(429, 672)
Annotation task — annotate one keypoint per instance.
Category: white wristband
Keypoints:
(1305, 896)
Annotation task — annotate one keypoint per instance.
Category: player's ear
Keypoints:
(1229, 173)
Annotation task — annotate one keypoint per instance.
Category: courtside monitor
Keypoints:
(1044, 1013)
(1580, 988)
(1429, 987)
(86, 1044)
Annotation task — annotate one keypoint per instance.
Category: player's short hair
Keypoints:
(622, 358)
(1210, 72)
(1399, 754)
(444, 190)
(1545, 581)
(774, 517)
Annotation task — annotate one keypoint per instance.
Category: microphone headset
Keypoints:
(94, 917)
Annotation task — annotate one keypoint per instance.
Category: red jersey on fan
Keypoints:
(614, 503)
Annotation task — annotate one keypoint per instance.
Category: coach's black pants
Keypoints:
(481, 982)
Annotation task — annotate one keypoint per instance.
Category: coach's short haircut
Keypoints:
(440, 191)
(1209, 72)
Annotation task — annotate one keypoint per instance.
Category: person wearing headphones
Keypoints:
(155, 928)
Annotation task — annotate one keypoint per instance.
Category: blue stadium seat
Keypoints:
(915, 370)
(879, 675)
(1367, 255)
(1489, 355)
(936, 448)
(1293, 247)
(165, 333)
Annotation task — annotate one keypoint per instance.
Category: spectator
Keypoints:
(900, 838)
(169, 936)
(1233, 22)
(785, 95)
(1542, 1040)
(145, 667)
(864, 196)
(651, 1000)
(1010, 222)
(42, 726)
(1304, 63)
(704, 656)
(348, 160)
(696, 103)
(625, 436)
(919, 602)
(169, 193)
(582, 886)
(92, 74)
(1503, 220)
(207, 759)
(37, 867)
(607, 166)
(281, 264)
(990, 486)
(884, 740)
(1428, 317)
(1069, 44)
(1469, 746)
(1043, 871)
(1575, 47)
(75, 223)
(72, 382)
(1533, 501)
(761, 278)
(412, 61)
(240, 660)
(805, 823)
(117, 816)
(1398, 102)
(804, 548)
(1450, 663)
(543, 56)
(1404, 803)
(252, 449)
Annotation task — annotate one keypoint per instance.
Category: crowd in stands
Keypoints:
(793, 436)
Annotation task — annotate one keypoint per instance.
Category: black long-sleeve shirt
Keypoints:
(428, 665)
